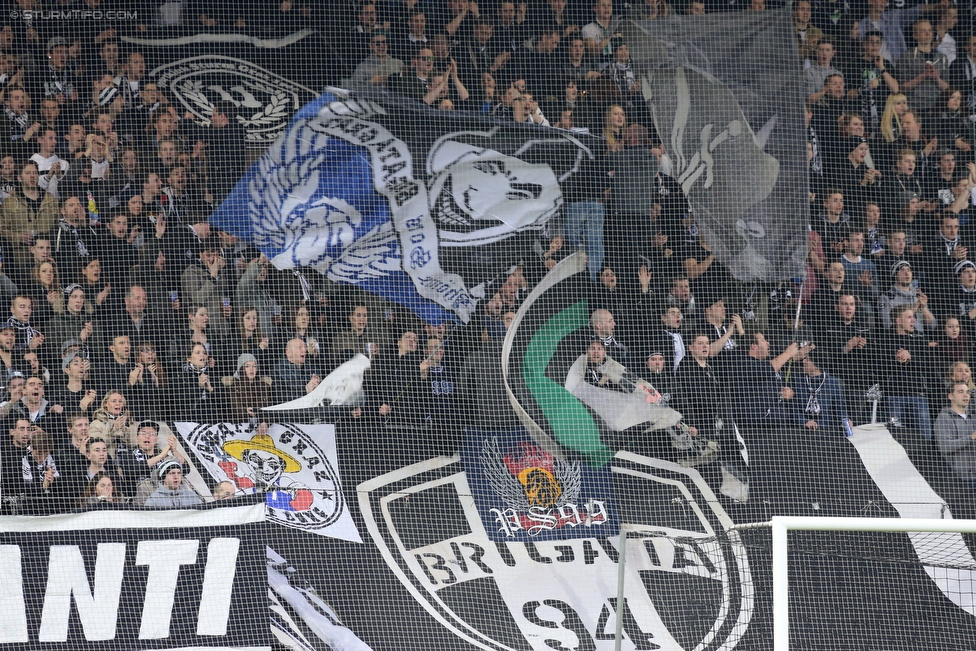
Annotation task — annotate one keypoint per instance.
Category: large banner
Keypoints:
(726, 103)
(420, 206)
(294, 466)
(117, 579)
(264, 78)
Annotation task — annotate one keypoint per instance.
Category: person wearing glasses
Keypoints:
(379, 66)
(416, 86)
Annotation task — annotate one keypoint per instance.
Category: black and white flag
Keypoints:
(725, 100)
(123, 580)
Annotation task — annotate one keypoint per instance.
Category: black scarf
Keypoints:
(22, 121)
(813, 402)
(197, 372)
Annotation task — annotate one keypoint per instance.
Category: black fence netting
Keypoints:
(487, 321)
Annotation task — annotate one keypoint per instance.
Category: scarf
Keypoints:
(58, 82)
(22, 121)
(813, 402)
(190, 368)
(23, 328)
(679, 347)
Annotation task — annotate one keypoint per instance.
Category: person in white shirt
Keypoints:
(50, 166)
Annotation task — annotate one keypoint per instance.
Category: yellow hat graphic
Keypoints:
(237, 448)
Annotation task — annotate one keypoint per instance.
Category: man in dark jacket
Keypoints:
(904, 369)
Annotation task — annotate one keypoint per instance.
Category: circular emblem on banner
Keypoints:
(265, 101)
(683, 559)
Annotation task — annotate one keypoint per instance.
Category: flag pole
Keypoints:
(796, 324)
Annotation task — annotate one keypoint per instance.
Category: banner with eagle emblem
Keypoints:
(524, 493)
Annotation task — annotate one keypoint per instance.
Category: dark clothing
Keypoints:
(290, 380)
(193, 402)
(906, 379)
(854, 368)
(11, 466)
(832, 232)
(700, 397)
(819, 399)
(400, 385)
(757, 391)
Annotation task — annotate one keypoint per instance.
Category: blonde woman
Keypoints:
(614, 126)
(895, 108)
(112, 422)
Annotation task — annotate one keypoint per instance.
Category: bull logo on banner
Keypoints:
(683, 559)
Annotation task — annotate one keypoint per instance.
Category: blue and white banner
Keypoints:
(418, 206)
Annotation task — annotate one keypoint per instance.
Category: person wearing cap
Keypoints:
(721, 330)
(904, 293)
(248, 390)
(659, 374)
(172, 492)
(56, 81)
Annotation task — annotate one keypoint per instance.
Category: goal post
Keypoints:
(781, 526)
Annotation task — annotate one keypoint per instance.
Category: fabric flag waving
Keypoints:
(723, 95)
(417, 206)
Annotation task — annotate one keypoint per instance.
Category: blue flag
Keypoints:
(425, 208)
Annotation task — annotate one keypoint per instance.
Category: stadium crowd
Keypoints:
(127, 310)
